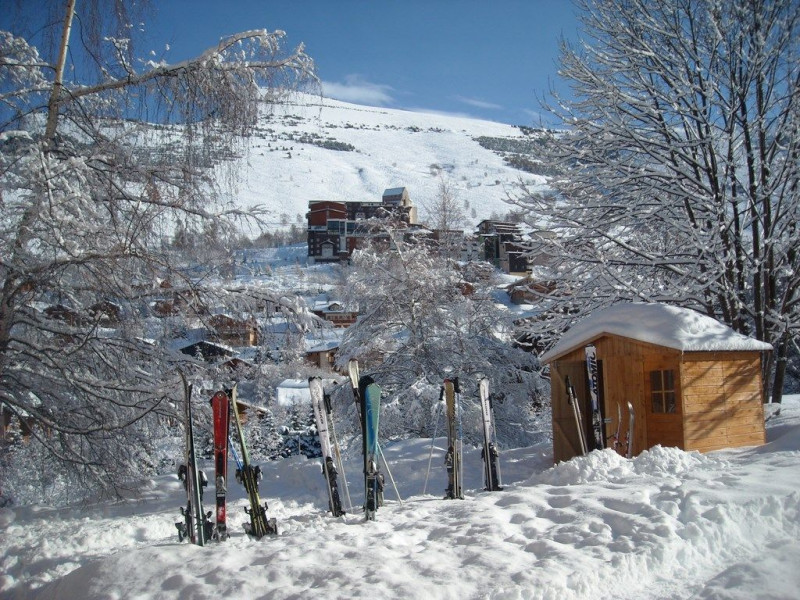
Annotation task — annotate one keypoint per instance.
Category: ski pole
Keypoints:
(386, 464)
(433, 440)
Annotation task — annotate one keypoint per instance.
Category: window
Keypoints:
(662, 391)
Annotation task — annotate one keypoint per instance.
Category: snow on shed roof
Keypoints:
(669, 326)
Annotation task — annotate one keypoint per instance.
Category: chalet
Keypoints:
(62, 313)
(233, 331)
(693, 382)
(530, 290)
(502, 246)
(208, 351)
(335, 313)
(335, 229)
(322, 354)
(11, 423)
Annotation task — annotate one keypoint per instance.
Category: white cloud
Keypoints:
(356, 89)
(478, 103)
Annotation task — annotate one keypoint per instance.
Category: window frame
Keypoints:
(666, 381)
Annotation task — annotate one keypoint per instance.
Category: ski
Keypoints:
(617, 443)
(220, 408)
(249, 476)
(328, 467)
(336, 451)
(490, 454)
(452, 459)
(576, 413)
(352, 371)
(196, 525)
(594, 395)
(370, 395)
(629, 436)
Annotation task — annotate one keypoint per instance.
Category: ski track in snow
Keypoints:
(666, 524)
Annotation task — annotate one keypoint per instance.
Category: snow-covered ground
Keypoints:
(667, 524)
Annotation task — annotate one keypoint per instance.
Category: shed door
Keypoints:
(565, 428)
(663, 402)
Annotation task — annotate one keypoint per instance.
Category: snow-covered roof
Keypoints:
(668, 326)
(393, 191)
(292, 391)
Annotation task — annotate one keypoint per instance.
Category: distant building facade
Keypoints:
(503, 246)
(336, 229)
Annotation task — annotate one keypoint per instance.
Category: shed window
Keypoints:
(662, 391)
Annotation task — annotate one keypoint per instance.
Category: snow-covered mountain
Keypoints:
(321, 149)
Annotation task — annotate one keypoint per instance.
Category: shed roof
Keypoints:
(660, 324)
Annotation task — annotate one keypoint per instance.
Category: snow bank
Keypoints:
(667, 524)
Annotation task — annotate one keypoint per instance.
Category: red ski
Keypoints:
(220, 407)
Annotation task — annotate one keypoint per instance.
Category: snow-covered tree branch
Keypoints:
(423, 320)
(97, 168)
(680, 164)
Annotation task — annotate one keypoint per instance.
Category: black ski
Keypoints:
(249, 476)
(196, 525)
(328, 466)
(490, 454)
(594, 395)
(452, 458)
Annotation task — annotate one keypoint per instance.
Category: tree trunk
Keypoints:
(58, 82)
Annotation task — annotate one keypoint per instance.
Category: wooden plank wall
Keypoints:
(719, 396)
(722, 400)
(623, 360)
(565, 432)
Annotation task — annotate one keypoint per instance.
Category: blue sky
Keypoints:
(489, 59)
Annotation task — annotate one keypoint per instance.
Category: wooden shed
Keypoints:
(694, 383)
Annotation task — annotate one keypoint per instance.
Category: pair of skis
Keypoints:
(197, 526)
(597, 421)
(451, 400)
(451, 391)
(249, 475)
(455, 445)
(367, 395)
(624, 447)
(321, 403)
(490, 453)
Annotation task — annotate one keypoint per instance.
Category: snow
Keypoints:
(666, 524)
(669, 326)
(285, 167)
(293, 391)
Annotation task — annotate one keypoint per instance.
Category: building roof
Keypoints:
(660, 324)
(393, 191)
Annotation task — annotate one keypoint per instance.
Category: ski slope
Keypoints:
(666, 524)
(289, 161)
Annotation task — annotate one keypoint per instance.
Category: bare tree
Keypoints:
(680, 164)
(421, 321)
(444, 212)
(446, 215)
(97, 167)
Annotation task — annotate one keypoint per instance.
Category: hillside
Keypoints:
(320, 149)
